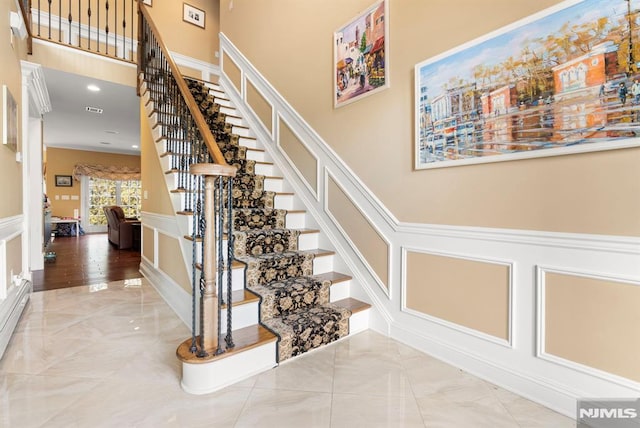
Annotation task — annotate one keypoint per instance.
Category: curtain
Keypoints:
(119, 173)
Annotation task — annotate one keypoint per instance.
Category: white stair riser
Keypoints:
(242, 316)
(273, 184)
(323, 264)
(296, 220)
(228, 110)
(256, 155)
(241, 131)
(308, 241)
(340, 290)
(283, 202)
(221, 101)
(248, 142)
(265, 169)
(234, 121)
(359, 321)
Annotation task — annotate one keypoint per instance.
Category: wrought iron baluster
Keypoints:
(220, 264)
(89, 26)
(98, 25)
(39, 18)
(230, 243)
(124, 29)
(70, 19)
(106, 44)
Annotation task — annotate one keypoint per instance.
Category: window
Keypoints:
(98, 192)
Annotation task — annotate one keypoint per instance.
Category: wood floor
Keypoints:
(88, 259)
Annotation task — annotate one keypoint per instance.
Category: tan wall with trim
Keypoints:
(260, 106)
(371, 245)
(299, 154)
(153, 180)
(170, 261)
(470, 293)
(584, 193)
(594, 322)
(62, 162)
(148, 244)
(12, 50)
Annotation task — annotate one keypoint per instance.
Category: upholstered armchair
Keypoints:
(120, 229)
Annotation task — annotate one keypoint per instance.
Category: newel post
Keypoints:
(209, 300)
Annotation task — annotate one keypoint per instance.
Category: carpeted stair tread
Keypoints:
(280, 298)
(258, 218)
(301, 331)
(264, 241)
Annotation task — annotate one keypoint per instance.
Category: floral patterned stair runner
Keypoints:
(294, 304)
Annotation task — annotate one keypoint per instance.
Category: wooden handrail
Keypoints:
(26, 15)
(205, 132)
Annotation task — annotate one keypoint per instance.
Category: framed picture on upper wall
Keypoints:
(360, 55)
(9, 119)
(562, 81)
(147, 2)
(193, 15)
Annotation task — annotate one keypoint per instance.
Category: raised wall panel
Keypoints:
(359, 230)
(305, 162)
(232, 71)
(260, 106)
(148, 244)
(170, 261)
(474, 294)
(592, 321)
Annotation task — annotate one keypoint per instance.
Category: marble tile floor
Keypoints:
(104, 356)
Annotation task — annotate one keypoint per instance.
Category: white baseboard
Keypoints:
(11, 309)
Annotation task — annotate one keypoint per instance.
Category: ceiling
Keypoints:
(70, 126)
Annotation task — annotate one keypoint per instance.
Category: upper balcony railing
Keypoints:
(104, 27)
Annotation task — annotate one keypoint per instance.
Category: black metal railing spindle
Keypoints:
(106, 29)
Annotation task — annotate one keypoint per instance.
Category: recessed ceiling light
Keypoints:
(134, 146)
(93, 88)
(111, 132)
(106, 143)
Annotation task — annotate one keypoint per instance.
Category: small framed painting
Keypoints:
(147, 2)
(361, 55)
(64, 181)
(193, 15)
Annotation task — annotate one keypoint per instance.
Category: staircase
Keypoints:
(286, 298)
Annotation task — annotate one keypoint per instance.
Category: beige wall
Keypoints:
(584, 193)
(153, 180)
(470, 293)
(232, 71)
(62, 162)
(185, 38)
(148, 244)
(12, 50)
(170, 261)
(579, 325)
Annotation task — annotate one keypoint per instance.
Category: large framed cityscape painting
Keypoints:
(360, 55)
(562, 81)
